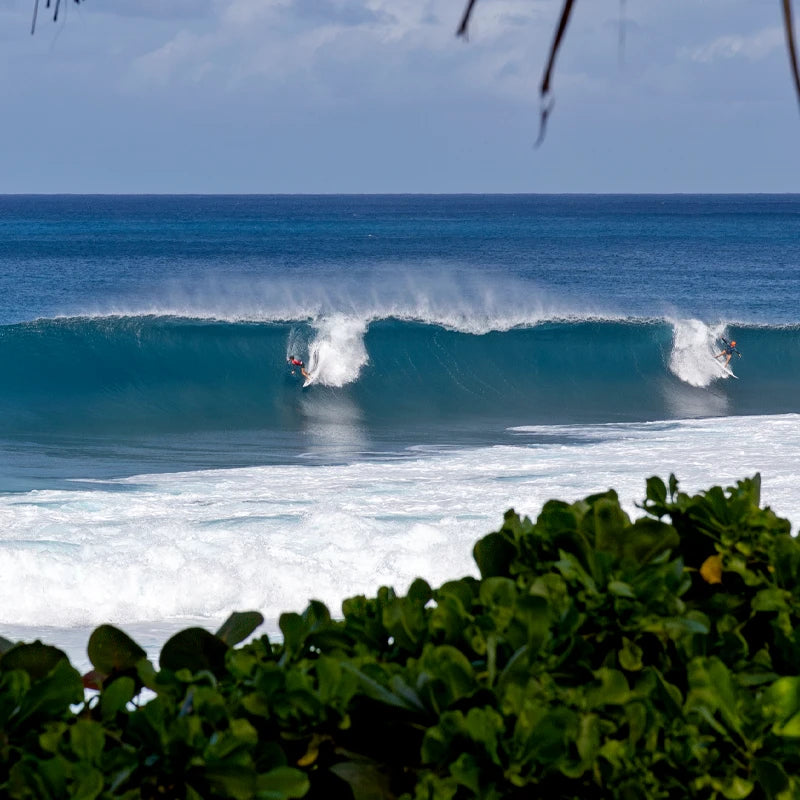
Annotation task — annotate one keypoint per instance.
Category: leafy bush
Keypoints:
(596, 657)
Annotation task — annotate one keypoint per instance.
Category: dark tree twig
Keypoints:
(566, 10)
(462, 28)
(47, 5)
(544, 89)
(788, 25)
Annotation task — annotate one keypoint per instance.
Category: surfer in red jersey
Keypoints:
(296, 362)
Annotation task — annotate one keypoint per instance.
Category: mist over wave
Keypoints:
(467, 300)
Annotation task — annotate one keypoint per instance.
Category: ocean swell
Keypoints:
(151, 374)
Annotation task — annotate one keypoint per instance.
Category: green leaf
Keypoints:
(50, 739)
(783, 697)
(467, 773)
(295, 629)
(405, 619)
(647, 539)
(194, 649)
(484, 725)
(87, 739)
(376, 691)
(461, 591)
(112, 650)
(446, 675)
(610, 526)
(790, 728)
(772, 599)
(656, 491)
(281, 783)
(630, 656)
(36, 659)
(737, 788)
(613, 689)
(51, 696)
(494, 554)
(366, 780)
(239, 626)
(231, 780)
(621, 589)
(499, 595)
(87, 783)
(588, 739)
(116, 696)
(771, 777)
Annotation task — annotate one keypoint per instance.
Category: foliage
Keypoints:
(596, 657)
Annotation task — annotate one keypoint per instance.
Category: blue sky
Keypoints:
(299, 96)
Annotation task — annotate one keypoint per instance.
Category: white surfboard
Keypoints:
(727, 371)
(311, 378)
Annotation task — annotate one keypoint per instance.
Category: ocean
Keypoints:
(161, 466)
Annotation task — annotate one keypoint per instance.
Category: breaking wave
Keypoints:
(159, 373)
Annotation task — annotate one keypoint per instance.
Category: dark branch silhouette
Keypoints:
(544, 89)
(57, 5)
(462, 28)
(788, 25)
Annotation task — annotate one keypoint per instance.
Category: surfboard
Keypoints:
(727, 371)
(309, 380)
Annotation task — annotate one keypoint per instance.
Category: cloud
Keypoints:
(377, 45)
(754, 47)
(342, 13)
(155, 9)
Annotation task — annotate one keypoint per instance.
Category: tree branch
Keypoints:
(462, 28)
(47, 5)
(566, 10)
(544, 89)
(788, 25)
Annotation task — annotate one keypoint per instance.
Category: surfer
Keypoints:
(296, 362)
(728, 351)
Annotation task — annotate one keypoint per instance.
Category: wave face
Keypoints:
(132, 375)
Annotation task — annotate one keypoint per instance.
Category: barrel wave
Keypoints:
(154, 374)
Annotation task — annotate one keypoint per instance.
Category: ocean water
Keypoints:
(161, 466)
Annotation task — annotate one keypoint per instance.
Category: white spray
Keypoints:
(693, 350)
(337, 352)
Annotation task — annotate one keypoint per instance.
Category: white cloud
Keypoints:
(754, 47)
(313, 44)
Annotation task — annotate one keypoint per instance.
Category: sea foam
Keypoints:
(164, 547)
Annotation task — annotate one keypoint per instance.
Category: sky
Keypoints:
(374, 96)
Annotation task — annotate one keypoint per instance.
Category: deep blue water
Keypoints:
(707, 256)
(142, 333)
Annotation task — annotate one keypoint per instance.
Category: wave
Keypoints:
(133, 374)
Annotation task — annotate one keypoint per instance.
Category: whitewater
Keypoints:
(160, 465)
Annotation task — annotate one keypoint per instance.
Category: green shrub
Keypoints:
(596, 657)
